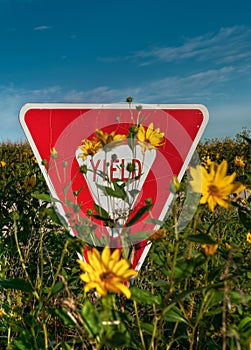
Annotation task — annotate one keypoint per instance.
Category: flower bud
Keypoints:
(129, 99)
(148, 201)
(130, 167)
(53, 153)
(83, 169)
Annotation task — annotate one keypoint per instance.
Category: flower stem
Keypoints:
(59, 268)
(138, 322)
(22, 260)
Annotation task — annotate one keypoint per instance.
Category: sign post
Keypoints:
(110, 166)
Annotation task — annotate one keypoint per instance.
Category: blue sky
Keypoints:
(159, 51)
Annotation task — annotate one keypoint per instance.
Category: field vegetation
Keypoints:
(192, 292)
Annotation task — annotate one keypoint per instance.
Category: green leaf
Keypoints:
(66, 189)
(66, 346)
(174, 315)
(75, 207)
(44, 197)
(162, 284)
(142, 211)
(245, 324)
(23, 342)
(144, 296)
(103, 216)
(155, 222)
(54, 216)
(159, 260)
(58, 287)
(201, 238)
(131, 140)
(139, 236)
(214, 311)
(184, 269)
(246, 138)
(23, 345)
(245, 218)
(147, 327)
(18, 284)
(134, 192)
(101, 212)
(115, 339)
(65, 316)
(118, 191)
(90, 317)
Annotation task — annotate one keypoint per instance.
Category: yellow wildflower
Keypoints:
(89, 148)
(206, 161)
(3, 163)
(106, 138)
(150, 138)
(214, 186)
(159, 234)
(249, 237)
(106, 272)
(175, 185)
(54, 153)
(2, 312)
(209, 249)
(239, 161)
(228, 246)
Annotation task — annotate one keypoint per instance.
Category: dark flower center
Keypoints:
(105, 276)
(213, 190)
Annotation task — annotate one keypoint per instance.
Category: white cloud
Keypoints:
(11, 101)
(41, 28)
(194, 87)
(207, 87)
(102, 94)
(227, 45)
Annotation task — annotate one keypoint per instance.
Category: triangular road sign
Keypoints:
(55, 132)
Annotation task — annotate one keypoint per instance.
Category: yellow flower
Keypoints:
(214, 186)
(150, 138)
(249, 237)
(207, 161)
(159, 234)
(228, 246)
(106, 138)
(175, 185)
(2, 312)
(239, 161)
(209, 249)
(106, 272)
(3, 163)
(54, 153)
(89, 148)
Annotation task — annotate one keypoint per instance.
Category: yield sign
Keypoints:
(115, 181)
